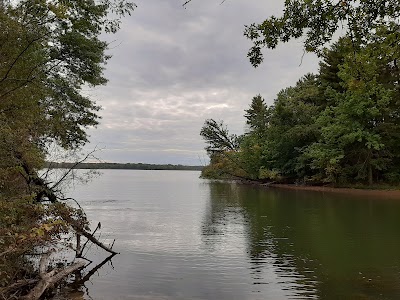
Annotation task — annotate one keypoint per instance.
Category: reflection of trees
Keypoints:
(328, 246)
(223, 197)
(222, 210)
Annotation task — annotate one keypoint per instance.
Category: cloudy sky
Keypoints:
(172, 68)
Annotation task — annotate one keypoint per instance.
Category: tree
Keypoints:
(319, 20)
(49, 51)
(257, 116)
(224, 152)
(331, 60)
(359, 127)
(217, 137)
(292, 126)
(52, 49)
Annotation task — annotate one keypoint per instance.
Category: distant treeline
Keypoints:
(127, 166)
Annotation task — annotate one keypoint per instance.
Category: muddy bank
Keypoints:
(385, 194)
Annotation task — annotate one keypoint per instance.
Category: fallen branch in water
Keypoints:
(81, 281)
(50, 278)
(79, 249)
(91, 238)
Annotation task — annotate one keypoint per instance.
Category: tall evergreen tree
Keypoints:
(257, 116)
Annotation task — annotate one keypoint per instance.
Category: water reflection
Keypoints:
(181, 237)
(78, 288)
(310, 245)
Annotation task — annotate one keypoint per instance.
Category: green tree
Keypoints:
(218, 138)
(257, 116)
(292, 126)
(319, 20)
(359, 128)
(224, 151)
(49, 51)
(331, 60)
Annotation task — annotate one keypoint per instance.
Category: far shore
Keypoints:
(387, 194)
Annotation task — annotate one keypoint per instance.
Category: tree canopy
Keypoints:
(340, 126)
(318, 21)
(50, 51)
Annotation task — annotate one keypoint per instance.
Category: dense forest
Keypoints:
(340, 126)
(119, 166)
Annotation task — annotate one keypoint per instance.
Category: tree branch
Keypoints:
(18, 57)
(51, 278)
(91, 238)
(72, 168)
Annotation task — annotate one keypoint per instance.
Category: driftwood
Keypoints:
(50, 278)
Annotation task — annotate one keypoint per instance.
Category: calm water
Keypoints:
(182, 237)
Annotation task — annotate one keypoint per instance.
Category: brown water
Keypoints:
(182, 237)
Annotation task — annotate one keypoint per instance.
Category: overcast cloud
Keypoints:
(172, 68)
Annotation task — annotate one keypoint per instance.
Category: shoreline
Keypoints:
(388, 194)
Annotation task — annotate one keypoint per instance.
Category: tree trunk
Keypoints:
(370, 177)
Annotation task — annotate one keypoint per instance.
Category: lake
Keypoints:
(182, 237)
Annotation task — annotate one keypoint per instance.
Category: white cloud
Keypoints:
(172, 68)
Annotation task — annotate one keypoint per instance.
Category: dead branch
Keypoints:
(9, 250)
(91, 238)
(17, 285)
(79, 253)
(78, 245)
(50, 278)
(72, 168)
(92, 271)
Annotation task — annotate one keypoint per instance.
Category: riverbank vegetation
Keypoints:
(49, 51)
(340, 126)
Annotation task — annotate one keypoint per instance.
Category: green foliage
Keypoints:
(251, 156)
(49, 51)
(223, 165)
(257, 116)
(25, 225)
(292, 126)
(318, 21)
(217, 137)
(340, 126)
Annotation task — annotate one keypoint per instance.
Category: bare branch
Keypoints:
(93, 239)
(72, 168)
(79, 253)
